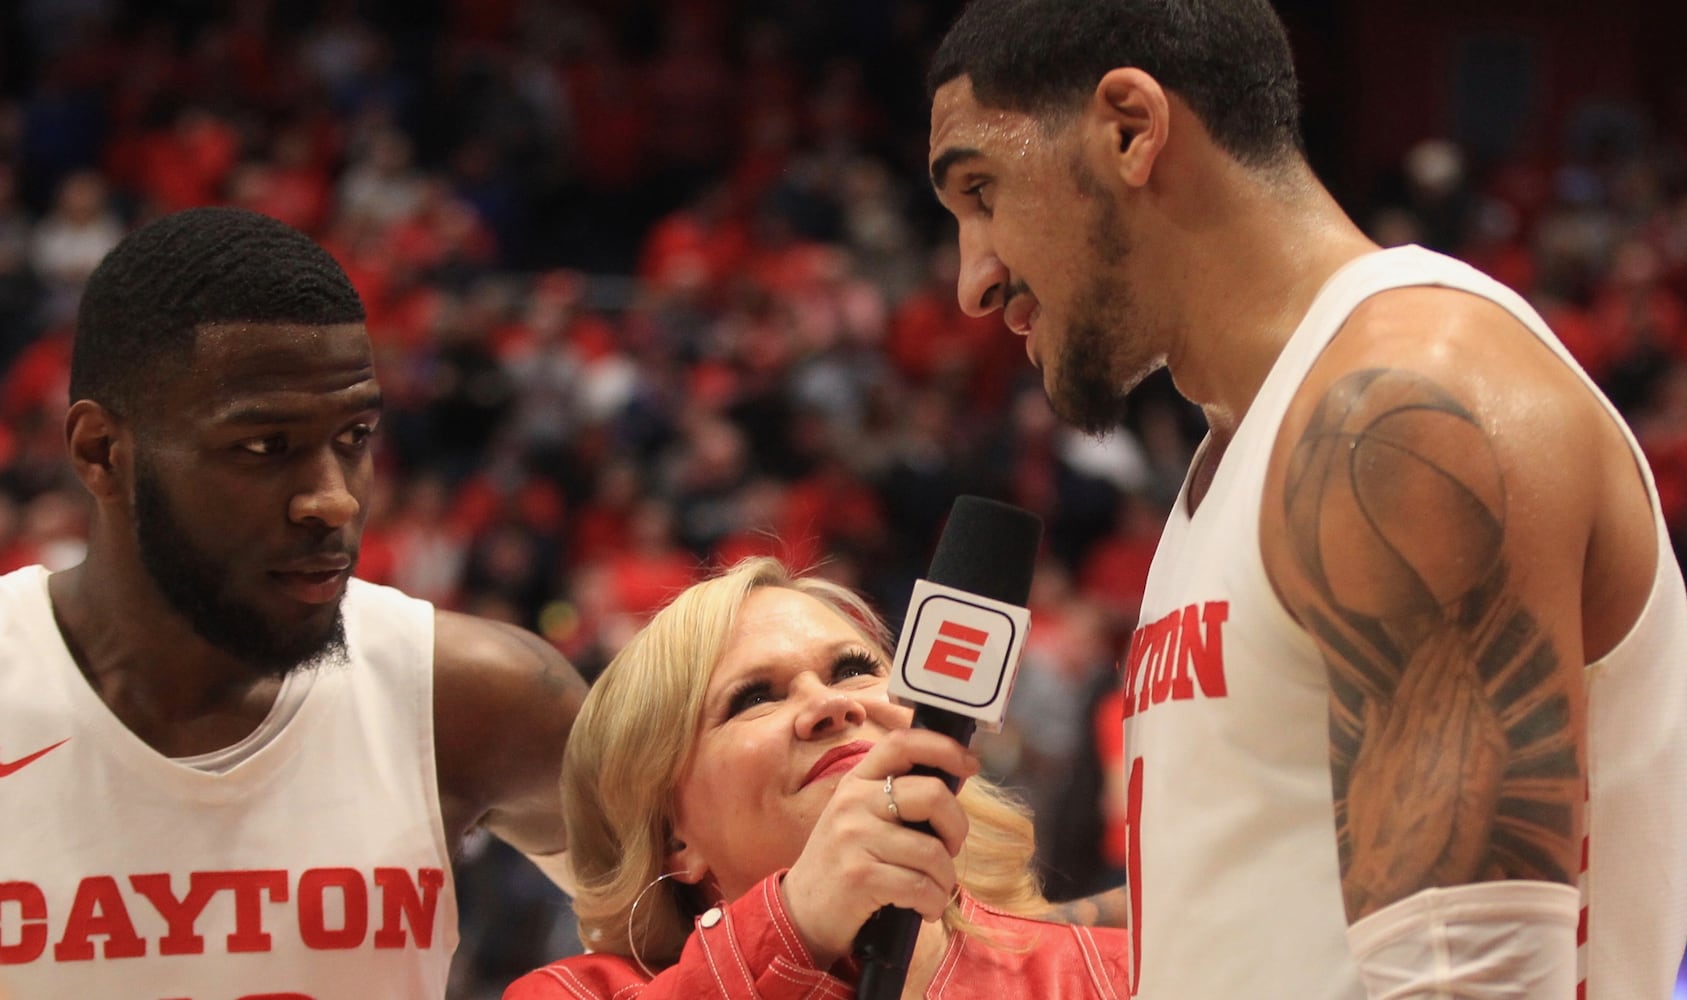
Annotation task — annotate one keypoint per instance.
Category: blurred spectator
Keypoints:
(1113, 571)
(62, 126)
(704, 472)
(698, 247)
(293, 184)
(442, 238)
(471, 394)
(54, 529)
(381, 185)
(611, 118)
(16, 551)
(1438, 194)
(341, 50)
(687, 87)
(21, 291)
(1069, 643)
(72, 239)
(186, 160)
(429, 546)
(1639, 325)
(1661, 426)
(933, 342)
(544, 354)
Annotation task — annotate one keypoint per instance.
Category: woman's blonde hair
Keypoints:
(632, 743)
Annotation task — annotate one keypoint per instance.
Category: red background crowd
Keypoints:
(658, 284)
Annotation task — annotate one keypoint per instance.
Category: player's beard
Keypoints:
(1094, 371)
(196, 585)
(1088, 392)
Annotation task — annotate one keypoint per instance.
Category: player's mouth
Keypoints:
(319, 582)
(1021, 315)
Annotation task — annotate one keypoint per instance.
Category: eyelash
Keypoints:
(976, 192)
(272, 445)
(748, 694)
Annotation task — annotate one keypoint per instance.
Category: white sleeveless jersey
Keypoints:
(1234, 879)
(308, 861)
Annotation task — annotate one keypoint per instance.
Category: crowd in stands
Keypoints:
(658, 285)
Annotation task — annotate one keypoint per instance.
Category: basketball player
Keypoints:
(1408, 700)
(229, 769)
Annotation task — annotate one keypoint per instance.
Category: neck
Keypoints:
(1266, 245)
(177, 692)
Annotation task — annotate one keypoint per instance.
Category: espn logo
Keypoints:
(955, 651)
(958, 652)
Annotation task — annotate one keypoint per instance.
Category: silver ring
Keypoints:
(890, 798)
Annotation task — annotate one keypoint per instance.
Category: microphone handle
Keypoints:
(885, 944)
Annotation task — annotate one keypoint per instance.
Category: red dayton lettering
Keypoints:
(952, 659)
(1163, 653)
(101, 910)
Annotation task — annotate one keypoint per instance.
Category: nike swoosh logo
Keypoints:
(23, 762)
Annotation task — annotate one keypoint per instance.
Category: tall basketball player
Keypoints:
(1406, 713)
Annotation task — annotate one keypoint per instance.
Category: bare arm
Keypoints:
(1104, 909)
(1415, 550)
(504, 702)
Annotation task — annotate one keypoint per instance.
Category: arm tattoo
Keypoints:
(1104, 909)
(1453, 752)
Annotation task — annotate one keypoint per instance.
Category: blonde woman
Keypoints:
(735, 790)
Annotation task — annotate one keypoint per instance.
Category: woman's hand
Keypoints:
(860, 857)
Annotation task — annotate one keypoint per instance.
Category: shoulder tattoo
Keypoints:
(1452, 744)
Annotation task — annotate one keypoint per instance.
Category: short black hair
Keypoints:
(147, 299)
(1228, 59)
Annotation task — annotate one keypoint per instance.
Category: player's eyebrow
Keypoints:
(947, 159)
(267, 412)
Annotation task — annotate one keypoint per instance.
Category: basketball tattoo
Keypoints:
(1452, 748)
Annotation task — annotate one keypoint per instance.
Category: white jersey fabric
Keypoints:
(1234, 879)
(307, 861)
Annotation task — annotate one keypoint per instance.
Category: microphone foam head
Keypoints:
(988, 548)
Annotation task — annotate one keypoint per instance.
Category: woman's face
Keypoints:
(797, 699)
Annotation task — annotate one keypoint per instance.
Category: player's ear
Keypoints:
(1131, 116)
(101, 448)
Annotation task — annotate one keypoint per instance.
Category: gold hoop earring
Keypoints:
(632, 942)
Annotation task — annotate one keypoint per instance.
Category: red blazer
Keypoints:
(749, 950)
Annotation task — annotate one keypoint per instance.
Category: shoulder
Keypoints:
(485, 668)
(1438, 445)
(1440, 400)
(486, 661)
(504, 702)
(577, 978)
(468, 643)
(1404, 346)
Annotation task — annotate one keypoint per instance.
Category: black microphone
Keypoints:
(958, 651)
